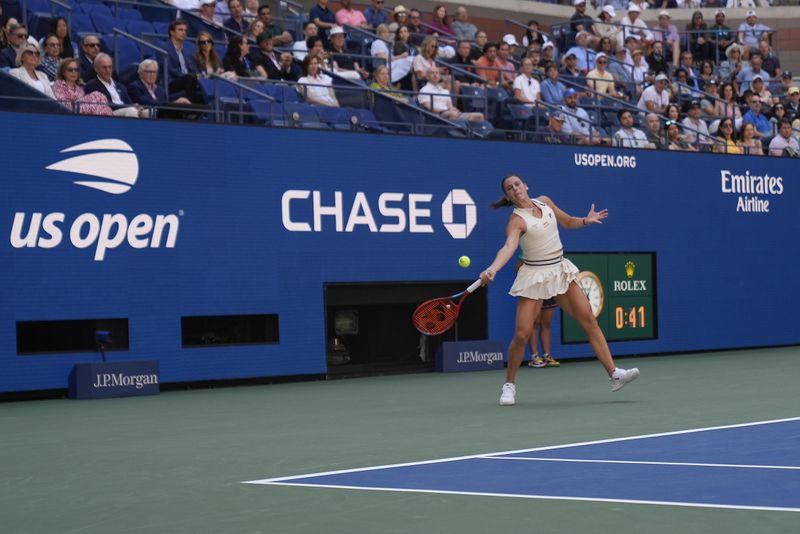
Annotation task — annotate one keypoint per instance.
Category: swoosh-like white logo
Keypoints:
(113, 159)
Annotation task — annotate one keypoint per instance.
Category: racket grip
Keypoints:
(475, 285)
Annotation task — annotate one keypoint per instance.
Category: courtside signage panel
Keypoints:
(152, 221)
(459, 356)
(105, 380)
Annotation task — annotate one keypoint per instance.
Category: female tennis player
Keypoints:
(545, 274)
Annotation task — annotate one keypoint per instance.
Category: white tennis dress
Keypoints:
(545, 272)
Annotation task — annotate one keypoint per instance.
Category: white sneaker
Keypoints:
(509, 392)
(620, 377)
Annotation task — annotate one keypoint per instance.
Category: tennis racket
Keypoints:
(436, 316)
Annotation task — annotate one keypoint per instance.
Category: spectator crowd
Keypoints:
(606, 79)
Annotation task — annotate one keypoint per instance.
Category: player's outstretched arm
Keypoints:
(514, 230)
(573, 223)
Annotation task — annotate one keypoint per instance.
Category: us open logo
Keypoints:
(316, 211)
(116, 164)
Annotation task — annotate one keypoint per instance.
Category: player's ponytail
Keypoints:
(503, 201)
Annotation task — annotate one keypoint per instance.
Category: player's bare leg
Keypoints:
(527, 310)
(575, 303)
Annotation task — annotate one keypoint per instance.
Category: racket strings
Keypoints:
(435, 316)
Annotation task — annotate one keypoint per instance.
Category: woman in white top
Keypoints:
(426, 59)
(400, 64)
(316, 86)
(545, 273)
(28, 59)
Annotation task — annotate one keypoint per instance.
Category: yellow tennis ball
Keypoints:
(464, 261)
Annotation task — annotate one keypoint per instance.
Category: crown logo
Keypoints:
(629, 268)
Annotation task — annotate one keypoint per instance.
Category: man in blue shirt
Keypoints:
(374, 14)
(759, 120)
(583, 54)
(323, 18)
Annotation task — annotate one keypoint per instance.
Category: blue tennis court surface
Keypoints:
(747, 466)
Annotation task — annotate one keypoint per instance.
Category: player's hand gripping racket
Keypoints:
(436, 316)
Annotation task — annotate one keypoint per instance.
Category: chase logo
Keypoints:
(113, 160)
(317, 211)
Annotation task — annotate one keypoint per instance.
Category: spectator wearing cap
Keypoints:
(792, 103)
(656, 97)
(552, 90)
(786, 84)
(207, 10)
(344, 64)
(770, 61)
(759, 88)
(640, 67)
(549, 52)
(571, 68)
(600, 80)
(584, 55)
(554, 133)
(784, 144)
(578, 123)
(462, 27)
(733, 65)
(513, 45)
(280, 37)
(277, 66)
(375, 15)
(667, 33)
(436, 98)
(604, 26)
(236, 21)
(632, 25)
(580, 21)
(720, 35)
(323, 18)
(709, 100)
(751, 32)
(759, 120)
(526, 88)
(656, 59)
(623, 73)
(749, 72)
(695, 128)
(628, 136)
(399, 18)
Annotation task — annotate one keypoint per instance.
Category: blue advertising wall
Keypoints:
(237, 207)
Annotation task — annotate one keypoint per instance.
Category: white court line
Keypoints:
(680, 464)
(535, 449)
(544, 497)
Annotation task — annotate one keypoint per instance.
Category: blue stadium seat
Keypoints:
(269, 113)
(39, 23)
(161, 28)
(472, 98)
(99, 9)
(127, 51)
(38, 5)
(128, 13)
(138, 27)
(105, 23)
(81, 23)
(225, 90)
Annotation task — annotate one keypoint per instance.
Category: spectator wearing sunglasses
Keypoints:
(17, 37)
(375, 15)
(27, 61)
(68, 90)
(600, 80)
(206, 58)
(90, 48)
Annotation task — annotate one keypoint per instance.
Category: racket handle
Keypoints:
(475, 285)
